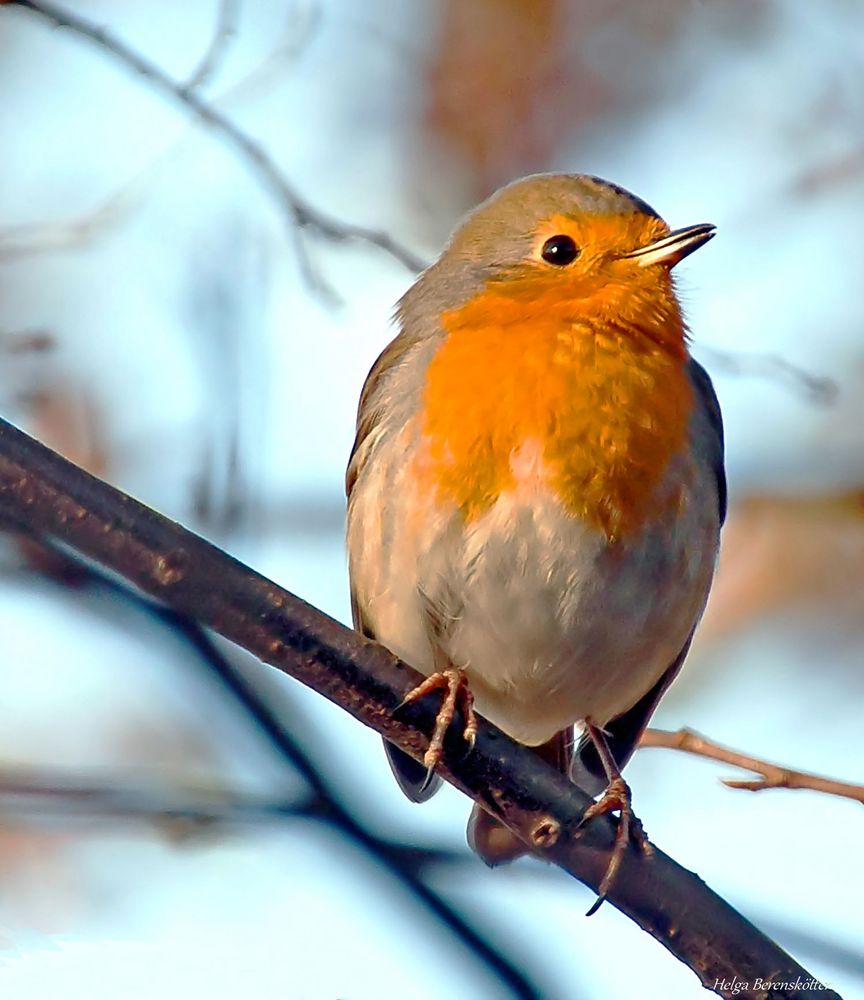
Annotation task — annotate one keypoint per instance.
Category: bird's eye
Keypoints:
(559, 250)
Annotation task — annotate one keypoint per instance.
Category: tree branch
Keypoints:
(54, 497)
(36, 238)
(770, 775)
(289, 735)
(816, 389)
(41, 791)
(298, 211)
(223, 35)
(185, 811)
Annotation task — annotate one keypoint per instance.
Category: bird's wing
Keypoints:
(713, 439)
(493, 841)
(369, 410)
(624, 732)
(411, 775)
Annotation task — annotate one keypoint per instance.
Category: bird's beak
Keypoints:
(673, 247)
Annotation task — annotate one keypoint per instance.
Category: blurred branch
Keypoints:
(405, 863)
(37, 238)
(223, 35)
(38, 791)
(297, 210)
(770, 775)
(26, 341)
(183, 813)
(55, 498)
(830, 174)
(816, 389)
(44, 237)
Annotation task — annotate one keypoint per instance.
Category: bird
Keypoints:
(536, 487)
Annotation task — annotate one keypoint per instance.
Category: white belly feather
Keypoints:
(551, 623)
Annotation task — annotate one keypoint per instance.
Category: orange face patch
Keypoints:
(600, 234)
(592, 373)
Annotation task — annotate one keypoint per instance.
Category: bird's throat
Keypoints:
(591, 408)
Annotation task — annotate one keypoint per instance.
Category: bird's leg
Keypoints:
(615, 798)
(454, 682)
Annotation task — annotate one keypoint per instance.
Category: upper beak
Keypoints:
(674, 246)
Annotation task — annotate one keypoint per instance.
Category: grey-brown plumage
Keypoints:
(550, 620)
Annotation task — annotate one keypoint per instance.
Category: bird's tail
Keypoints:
(488, 837)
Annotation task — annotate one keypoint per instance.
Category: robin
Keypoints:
(536, 488)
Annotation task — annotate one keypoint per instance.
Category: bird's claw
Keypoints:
(616, 798)
(455, 685)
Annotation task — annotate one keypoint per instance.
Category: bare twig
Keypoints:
(46, 237)
(297, 210)
(817, 389)
(830, 174)
(26, 342)
(288, 734)
(37, 791)
(285, 730)
(223, 35)
(770, 775)
(37, 238)
(55, 498)
(182, 812)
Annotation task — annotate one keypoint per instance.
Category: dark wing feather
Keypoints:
(708, 397)
(493, 841)
(409, 773)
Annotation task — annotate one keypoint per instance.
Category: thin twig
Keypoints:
(285, 730)
(535, 801)
(45, 237)
(26, 342)
(297, 210)
(38, 791)
(770, 775)
(817, 389)
(223, 35)
(38, 238)
(25, 792)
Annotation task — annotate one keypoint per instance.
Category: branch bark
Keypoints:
(291, 736)
(40, 489)
(770, 775)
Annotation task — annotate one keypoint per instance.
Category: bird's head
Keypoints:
(564, 244)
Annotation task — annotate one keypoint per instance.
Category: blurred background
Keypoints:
(176, 820)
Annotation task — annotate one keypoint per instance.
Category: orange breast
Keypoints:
(606, 403)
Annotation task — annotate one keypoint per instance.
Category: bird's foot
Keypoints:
(457, 694)
(617, 798)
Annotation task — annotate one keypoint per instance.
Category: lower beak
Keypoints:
(673, 247)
